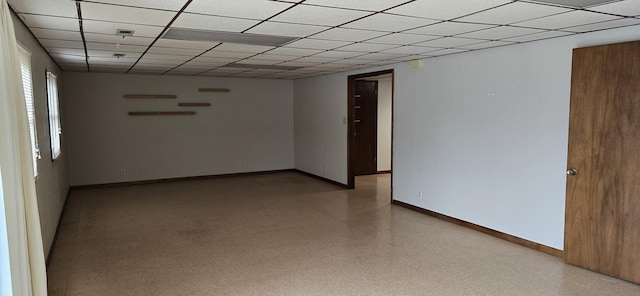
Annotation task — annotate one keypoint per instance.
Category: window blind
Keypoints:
(55, 129)
(27, 86)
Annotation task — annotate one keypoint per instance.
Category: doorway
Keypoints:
(370, 124)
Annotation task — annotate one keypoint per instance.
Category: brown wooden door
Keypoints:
(602, 230)
(365, 148)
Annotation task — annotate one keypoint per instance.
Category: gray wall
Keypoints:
(52, 183)
(483, 135)
(385, 95)
(248, 129)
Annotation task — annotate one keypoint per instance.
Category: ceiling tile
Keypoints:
(160, 63)
(115, 47)
(50, 22)
(512, 13)
(113, 39)
(176, 51)
(286, 29)
(253, 61)
(371, 5)
(539, 36)
(401, 39)
(317, 43)
(445, 9)
(61, 43)
(407, 49)
(297, 64)
(389, 23)
(352, 35)
(64, 8)
(66, 51)
(215, 23)
(316, 15)
(167, 57)
(338, 54)
(253, 9)
(604, 25)
(109, 54)
(154, 4)
(449, 29)
(380, 56)
(110, 28)
(626, 8)
(569, 19)
(447, 51)
(243, 47)
(450, 42)
(229, 70)
(316, 59)
(113, 13)
(294, 51)
(273, 57)
(56, 34)
(227, 54)
(202, 45)
(368, 47)
(500, 33)
(486, 45)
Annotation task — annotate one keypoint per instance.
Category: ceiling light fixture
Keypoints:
(577, 3)
(267, 67)
(230, 37)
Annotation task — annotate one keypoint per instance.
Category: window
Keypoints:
(55, 129)
(27, 86)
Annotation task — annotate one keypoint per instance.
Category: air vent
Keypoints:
(268, 67)
(124, 33)
(119, 55)
(231, 37)
(577, 3)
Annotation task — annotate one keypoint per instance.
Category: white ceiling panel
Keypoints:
(66, 51)
(116, 48)
(64, 8)
(446, 51)
(228, 54)
(215, 23)
(352, 35)
(380, 56)
(110, 28)
(539, 36)
(317, 43)
(202, 45)
(316, 59)
(109, 54)
(211, 60)
(569, 19)
(297, 64)
(253, 61)
(402, 39)
(163, 63)
(252, 9)
(513, 13)
(389, 23)
(113, 39)
(175, 51)
(243, 48)
(286, 29)
(450, 42)
(56, 34)
(113, 13)
(604, 25)
(229, 70)
(370, 5)
(445, 9)
(338, 54)
(486, 45)
(273, 57)
(174, 5)
(368, 47)
(407, 49)
(500, 33)
(449, 29)
(316, 15)
(50, 22)
(61, 43)
(626, 8)
(294, 51)
(160, 56)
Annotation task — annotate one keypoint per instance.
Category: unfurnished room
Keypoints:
(320, 147)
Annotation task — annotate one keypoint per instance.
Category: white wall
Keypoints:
(248, 129)
(482, 134)
(52, 183)
(385, 94)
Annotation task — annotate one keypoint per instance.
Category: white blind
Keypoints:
(27, 86)
(54, 114)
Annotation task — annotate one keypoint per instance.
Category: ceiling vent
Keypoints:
(119, 55)
(267, 67)
(124, 33)
(577, 3)
(231, 37)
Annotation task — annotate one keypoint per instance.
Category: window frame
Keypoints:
(53, 104)
(25, 59)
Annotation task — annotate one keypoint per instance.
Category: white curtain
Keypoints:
(26, 252)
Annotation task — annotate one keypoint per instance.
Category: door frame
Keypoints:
(351, 115)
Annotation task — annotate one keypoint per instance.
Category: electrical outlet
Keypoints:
(420, 194)
(123, 172)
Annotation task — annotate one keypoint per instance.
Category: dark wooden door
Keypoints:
(365, 148)
(602, 227)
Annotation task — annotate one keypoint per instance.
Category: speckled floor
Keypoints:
(288, 234)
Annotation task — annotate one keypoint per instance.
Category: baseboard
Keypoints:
(55, 235)
(345, 186)
(155, 181)
(384, 172)
(498, 234)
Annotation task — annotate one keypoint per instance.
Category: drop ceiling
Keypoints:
(329, 35)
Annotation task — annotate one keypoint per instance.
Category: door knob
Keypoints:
(572, 172)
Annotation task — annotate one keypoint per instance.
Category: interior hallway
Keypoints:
(288, 234)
